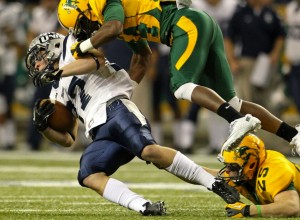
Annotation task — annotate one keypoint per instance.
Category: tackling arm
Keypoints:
(140, 61)
(111, 28)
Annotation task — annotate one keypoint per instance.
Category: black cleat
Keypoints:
(157, 208)
(228, 193)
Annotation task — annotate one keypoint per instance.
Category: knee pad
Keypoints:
(236, 103)
(185, 91)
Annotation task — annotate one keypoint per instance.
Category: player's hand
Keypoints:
(47, 77)
(41, 114)
(76, 51)
(237, 210)
(183, 3)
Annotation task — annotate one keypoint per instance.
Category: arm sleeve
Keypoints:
(114, 11)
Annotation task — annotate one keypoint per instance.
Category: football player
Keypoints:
(197, 55)
(265, 177)
(98, 93)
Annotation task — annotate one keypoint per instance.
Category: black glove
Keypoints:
(46, 77)
(238, 210)
(41, 114)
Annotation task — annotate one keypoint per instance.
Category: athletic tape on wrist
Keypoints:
(86, 45)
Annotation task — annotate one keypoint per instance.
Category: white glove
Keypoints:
(183, 3)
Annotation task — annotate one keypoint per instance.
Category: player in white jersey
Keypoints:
(98, 92)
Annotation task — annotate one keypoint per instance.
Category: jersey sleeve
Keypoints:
(114, 11)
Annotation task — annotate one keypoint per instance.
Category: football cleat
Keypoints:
(239, 128)
(296, 142)
(228, 193)
(157, 208)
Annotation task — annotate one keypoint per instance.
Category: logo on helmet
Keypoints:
(70, 5)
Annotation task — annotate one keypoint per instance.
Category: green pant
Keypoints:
(197, 50)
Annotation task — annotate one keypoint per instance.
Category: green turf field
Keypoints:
(44, 186)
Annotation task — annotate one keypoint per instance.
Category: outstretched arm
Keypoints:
(286, 204)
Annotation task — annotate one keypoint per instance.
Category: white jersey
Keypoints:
(292, 48)
(221, 12)
(87, 94)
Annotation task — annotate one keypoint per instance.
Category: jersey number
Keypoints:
(262, 183)
(79, 84)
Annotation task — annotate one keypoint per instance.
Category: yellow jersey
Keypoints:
(141, 18)
(276, 174)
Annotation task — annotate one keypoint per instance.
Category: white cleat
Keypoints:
(239, 128)
(296, 141)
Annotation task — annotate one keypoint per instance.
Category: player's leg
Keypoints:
(218, 70)
(130, 129)
(193, 35)
(223, 85)
(100, 160)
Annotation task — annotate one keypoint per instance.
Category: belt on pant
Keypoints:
(109, 102)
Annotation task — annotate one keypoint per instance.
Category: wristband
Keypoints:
(96, 61)
(86, 45)
(258, 210)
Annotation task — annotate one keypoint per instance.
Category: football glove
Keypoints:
(183, 3)
(238, 210)
(41, 114)
(47, 77)
(76, 51)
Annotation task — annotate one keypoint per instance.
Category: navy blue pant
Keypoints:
(115, 143)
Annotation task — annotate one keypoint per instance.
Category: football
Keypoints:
(62, 119)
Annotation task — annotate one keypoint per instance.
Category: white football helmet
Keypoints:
(46, 46)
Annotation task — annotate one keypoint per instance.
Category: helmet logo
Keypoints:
(43, 38)
(70, 5)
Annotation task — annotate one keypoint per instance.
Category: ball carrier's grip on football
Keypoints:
(61, 119)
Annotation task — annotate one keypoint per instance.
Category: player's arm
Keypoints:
(41, 114)
(64, 139)
(112, 27)
(140, 61)
(286, 204)
(89, 63)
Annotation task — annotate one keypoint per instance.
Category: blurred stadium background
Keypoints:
(40, 183)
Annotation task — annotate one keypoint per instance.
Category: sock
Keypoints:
(286, 132)
(227, 112)
(117, 192)
(187, 169)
